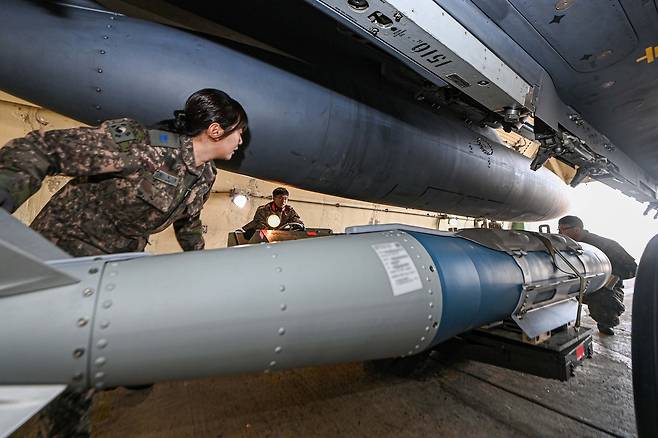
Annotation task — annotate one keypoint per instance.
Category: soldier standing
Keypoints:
(606, 304)
(129, 181)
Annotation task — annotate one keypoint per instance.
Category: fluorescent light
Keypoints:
(240, 200)
(239, 197)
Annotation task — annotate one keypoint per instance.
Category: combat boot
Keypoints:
(606, 330)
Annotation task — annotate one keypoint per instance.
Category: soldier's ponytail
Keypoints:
(209, 106)
(203, 108)
(180, 121)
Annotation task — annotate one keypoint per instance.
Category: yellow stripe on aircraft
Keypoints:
(651, 54)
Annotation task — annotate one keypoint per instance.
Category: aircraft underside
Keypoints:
(394, 102)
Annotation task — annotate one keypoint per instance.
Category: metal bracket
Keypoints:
(545, 152)
(536, 295)
(428, 39)
(516, 243)
(360, 229)
(539, 321)
(582, 172)
(573, 151)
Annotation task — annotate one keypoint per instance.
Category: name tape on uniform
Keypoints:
(400, 268)
(166, 178)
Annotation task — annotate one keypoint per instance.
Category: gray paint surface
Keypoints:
(258, 308)
(15, 233)
(448, 398)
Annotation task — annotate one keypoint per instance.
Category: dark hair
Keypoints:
(280, 191)
(571, 221)
(205, 107)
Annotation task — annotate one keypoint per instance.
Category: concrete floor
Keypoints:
(449, 399)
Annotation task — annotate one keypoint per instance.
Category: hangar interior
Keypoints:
(424, 116)
(447, 397)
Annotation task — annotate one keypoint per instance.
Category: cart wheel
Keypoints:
(645, 342)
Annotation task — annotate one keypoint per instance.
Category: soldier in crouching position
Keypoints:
(606, 304)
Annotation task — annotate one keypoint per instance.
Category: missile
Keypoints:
(375, 292)
(326, 133)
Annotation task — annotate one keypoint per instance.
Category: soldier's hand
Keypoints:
(7, 201)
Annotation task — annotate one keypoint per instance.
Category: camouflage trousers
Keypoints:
(606, 306)
(67, 416)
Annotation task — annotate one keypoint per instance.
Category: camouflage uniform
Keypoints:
(607, 304)
(129, 182)
(287, 215)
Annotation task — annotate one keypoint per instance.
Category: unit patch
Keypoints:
(120, 131)
(164, 139)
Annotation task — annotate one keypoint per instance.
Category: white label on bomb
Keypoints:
(399, 266)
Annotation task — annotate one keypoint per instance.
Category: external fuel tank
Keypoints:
(331, 135)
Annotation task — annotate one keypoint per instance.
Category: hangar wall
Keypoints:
(220, 215)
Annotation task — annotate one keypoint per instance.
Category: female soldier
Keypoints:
(129, 181)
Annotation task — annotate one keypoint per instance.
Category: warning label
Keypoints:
(402, 272)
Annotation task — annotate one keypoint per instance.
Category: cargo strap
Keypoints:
(583, 284)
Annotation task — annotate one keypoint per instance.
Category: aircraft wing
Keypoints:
(18, 403)
(23, 257)
(24, 268)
